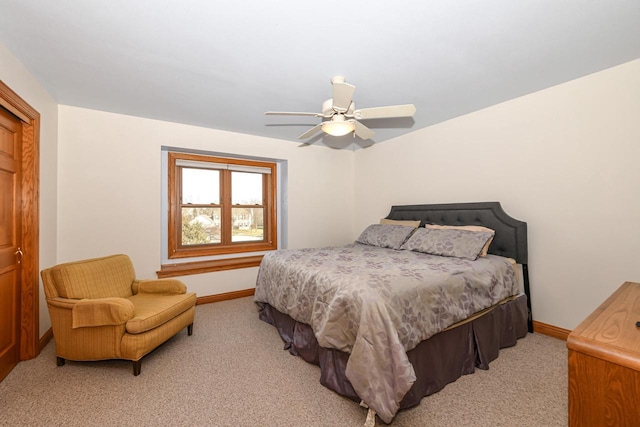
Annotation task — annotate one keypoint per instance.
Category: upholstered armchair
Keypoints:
(100, 311)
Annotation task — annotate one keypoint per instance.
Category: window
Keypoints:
(220, 205)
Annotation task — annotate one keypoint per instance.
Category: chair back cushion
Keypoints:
(105, 277)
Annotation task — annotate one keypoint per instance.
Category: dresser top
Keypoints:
(610, 332)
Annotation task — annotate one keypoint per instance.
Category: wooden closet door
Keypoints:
(10, 236)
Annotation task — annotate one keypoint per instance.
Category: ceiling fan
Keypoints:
(340, 116)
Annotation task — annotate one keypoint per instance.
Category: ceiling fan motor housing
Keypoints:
(327, 108)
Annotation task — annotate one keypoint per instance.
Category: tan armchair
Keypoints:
(100, 311)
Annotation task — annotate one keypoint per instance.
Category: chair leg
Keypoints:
(137, 365)
(190, 329)
(59, 361)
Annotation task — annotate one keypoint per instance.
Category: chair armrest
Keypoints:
(159, 286)
(64, 303)
(101, 312)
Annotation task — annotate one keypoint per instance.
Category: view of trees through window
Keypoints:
(202, 208)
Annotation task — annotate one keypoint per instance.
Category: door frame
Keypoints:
(30, 265)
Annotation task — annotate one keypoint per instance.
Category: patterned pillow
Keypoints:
(485, 249)
(385, 235)
(448, 242)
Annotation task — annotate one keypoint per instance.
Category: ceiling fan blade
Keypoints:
(317, 128)
(406, 110)
(292, 113)
(362, 131)
(342, 96)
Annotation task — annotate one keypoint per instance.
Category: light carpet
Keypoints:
(233, 371)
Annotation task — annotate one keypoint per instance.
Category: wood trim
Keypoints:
(44, 340)
(199, 267)
(226, 208)
(226, 296)
(550, 330)
(173, 186)
(269, 206)
(29, 311)
(12, 102)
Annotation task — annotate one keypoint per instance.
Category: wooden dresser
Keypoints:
(604, 363)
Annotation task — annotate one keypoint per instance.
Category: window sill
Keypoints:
(199, 267)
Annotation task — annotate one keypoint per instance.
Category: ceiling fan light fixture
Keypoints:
(338, 127)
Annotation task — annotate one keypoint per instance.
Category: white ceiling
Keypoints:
(222, 64)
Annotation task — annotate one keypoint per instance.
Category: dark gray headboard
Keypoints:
(511, 235)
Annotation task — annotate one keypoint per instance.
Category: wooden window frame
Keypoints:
(226, 247)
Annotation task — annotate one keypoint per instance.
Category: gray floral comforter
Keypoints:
(377, 304)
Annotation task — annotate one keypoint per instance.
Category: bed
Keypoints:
(390, 323)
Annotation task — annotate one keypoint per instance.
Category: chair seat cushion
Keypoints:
(152, 310)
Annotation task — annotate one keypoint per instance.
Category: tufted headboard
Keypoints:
(511, 234)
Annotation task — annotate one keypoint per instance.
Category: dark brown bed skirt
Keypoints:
(440, 360)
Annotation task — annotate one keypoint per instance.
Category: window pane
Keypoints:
(200, 226)
(246, 188)
(248, 224)
(200, 186)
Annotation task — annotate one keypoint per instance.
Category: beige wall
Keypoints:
(565, 160)
(109, 194)
(16, 76)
